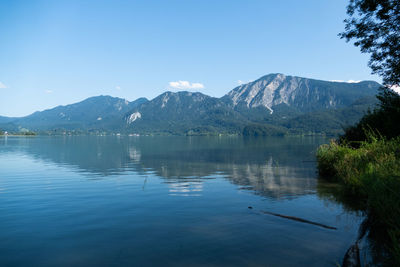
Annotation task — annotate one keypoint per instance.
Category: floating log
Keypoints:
(299, 220)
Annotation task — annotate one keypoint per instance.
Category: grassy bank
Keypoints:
(370, 175)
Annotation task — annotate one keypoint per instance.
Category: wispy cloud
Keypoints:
(240, 82)
(48, 91)
(341, 81)
(2, 86)
(185, 85)
(118, 87)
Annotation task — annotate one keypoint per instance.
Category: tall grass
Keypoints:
(370, 174)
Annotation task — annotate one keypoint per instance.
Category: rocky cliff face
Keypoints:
(301, 93)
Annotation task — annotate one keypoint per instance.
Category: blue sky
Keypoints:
(60, 52)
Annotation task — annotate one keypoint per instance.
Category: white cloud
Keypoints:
(185, 85)
(240, 82)
(396, 88)
(118, 87)
(2, 86)
(341, 81)
(48, 91)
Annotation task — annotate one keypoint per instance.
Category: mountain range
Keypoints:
(274, 104)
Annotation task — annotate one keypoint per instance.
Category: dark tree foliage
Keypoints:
(374, 25)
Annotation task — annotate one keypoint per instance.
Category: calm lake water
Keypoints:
(170, 201)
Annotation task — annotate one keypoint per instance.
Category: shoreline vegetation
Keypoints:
(18, 134)
(365, 160)
(78, 133)
(369, 178)
(365, 164)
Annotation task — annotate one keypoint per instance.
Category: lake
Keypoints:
(170, 201)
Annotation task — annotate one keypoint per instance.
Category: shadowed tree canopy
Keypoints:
(374, 26)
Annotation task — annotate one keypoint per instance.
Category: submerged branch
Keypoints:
(299, 220)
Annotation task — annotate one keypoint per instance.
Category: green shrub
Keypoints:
(383, 120)
(370, 174)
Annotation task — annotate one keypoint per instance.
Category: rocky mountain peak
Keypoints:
(301, 93)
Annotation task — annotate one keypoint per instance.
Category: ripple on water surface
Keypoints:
(103, 201)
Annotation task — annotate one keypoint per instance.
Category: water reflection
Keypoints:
(273, 167)
(372, 240)
(144, 208)
(185, 188)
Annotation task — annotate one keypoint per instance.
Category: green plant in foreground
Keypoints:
(369, 174)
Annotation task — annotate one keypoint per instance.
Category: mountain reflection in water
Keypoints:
(170, 201)
(273, 167)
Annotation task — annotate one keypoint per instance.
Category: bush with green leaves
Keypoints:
(370, 175)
